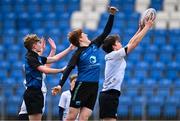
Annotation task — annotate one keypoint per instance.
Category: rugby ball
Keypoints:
(146, 15)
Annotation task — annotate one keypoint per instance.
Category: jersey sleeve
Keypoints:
(98, 41)
(43, 59)
(35, 62)
(120, 53)
(71, 65)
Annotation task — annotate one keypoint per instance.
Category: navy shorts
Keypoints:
(84, 94)
(34, 101)
(108, 103)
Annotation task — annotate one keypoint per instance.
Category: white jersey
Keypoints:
(64, 102)
(114, 70)
(44, 91)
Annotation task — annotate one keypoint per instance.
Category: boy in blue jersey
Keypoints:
(87, 59)
(34, 69)
(23, 115)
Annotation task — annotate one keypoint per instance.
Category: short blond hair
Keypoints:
(29, 40)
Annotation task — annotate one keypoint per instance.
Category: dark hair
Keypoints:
(109, 42)
(74, 37)
(29, 40)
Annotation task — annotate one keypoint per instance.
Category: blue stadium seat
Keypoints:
(166, 54)
(156, 70)
(171, 107)
(160, 32)
(176, 93)
(177, 83)
(174, 33)
(17, 74)
(154, 105)
(120, 16)
(13, 105)
(124, 106)
(37, 20)
(2, 100)
(10, 20)
(132, 92)
(17, 66)
(2, 52)
(23, 20)
(5, 8)
(138, 107)
(141, 70)
(149, 86)
(129, 71)
(174, 41)
(163, 92)
(159, 41)
(135, 56)
(172, 70)
(132, 25)
(150, 56)
(12, 57)
(157, 4)
(165, 83)
(8, 40)
(3, 75)
(164, 87)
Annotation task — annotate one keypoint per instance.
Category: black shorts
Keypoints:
(84, 94)
(108, 103)
(34, 101)
(23, 117)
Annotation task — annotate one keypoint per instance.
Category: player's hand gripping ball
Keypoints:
(149, 14)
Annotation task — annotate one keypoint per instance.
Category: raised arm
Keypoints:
(100, 39)
(43, 44)
(72, 63)
(53, 50)
(53, 47)
(136, 39)
(48, 70)
(60, 55)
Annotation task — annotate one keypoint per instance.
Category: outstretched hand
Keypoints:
(112, 10)
(56, 89)
(149, 23)
(52, 43)
(43, 43)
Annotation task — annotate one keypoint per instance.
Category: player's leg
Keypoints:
(35, 117)
(85, 113)
(73, 112)
(108, 102)
(89, 101)
(34, 102)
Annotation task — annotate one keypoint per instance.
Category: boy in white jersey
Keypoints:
(115, 69)
(65, 99)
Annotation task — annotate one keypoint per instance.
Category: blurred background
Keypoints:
(151, 87)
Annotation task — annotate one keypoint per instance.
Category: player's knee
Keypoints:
(70, 117)
(84, 117)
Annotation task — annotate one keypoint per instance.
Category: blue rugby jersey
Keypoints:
(88, 64)
(32, 75)
(87, 58)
